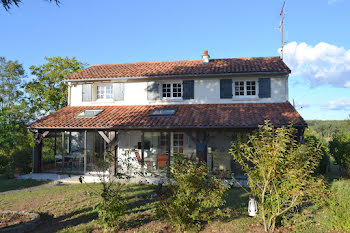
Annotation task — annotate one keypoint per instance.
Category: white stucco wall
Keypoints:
(206, 91)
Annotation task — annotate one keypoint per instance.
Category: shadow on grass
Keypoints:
(18, 184)
(51, 224)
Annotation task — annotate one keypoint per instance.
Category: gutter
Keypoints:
(176, 76)
(155, 128)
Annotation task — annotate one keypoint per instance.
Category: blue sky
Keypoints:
(96, 32)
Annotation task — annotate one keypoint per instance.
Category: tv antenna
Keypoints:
(281, 26)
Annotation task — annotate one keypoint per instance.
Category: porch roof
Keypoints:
(248, 115)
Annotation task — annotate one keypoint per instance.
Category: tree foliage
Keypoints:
(47, 91)
(313, 139)
(13, 112)
(7, 4)
(339, 147)
(279, 171)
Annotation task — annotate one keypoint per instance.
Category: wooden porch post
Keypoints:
(62, 147)
(37, 151)
(85, 151)
(169, 150)
(112, 141)
(142, 150)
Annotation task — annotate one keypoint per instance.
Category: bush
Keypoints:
(339, 147)
(111, 206)
(312, 139)
(194, 195)
(279, 172)
(338, 209)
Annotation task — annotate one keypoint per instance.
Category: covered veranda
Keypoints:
(80, 136)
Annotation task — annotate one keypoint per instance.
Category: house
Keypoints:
(148, 112)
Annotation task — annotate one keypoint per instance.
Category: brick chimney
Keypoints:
(205, 56)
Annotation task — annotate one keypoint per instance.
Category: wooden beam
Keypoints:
(85, 151)
(104, 136)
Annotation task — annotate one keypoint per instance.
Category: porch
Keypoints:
(150, 152)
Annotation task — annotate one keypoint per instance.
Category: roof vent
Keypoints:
(205, 56)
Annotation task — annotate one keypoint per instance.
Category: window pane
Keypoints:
(109, 92)
(100, 92)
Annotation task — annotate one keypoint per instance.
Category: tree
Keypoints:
(11, 77)
(13, 112)
(47, 91)
(7, 4)
(339, 147)
(279, 171)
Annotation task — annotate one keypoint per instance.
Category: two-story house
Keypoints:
(151, 111)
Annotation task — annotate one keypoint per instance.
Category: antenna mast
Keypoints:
(281, 27)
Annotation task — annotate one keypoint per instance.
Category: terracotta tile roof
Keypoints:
(183, 68)
(187, 116)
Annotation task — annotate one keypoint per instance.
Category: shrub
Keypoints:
(338, 208)
(194, 195)
(339, 147)
(279, 172)
(112, 203)
(312, 139)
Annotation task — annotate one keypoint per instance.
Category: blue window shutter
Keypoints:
(118, 91)
(87, 92)
(264, 87)
(225, 88)
(152, 90)
(188, 89)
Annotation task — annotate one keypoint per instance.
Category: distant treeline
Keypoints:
(326, 129)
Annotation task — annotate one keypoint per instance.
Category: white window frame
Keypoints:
(104, 92)
(171, 91)
(245, 88)
(177, 147)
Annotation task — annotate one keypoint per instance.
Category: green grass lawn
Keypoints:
(69, 208)
(14, 184)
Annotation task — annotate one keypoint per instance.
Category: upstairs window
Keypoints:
(104, 92)
(245, 88)
(172, 90)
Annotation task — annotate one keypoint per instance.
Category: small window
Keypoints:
(245, 88)
(163, 112)
(104, 92)
(172, 90)
(89, 113)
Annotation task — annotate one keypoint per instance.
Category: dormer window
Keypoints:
(104, 92)
(172, 90)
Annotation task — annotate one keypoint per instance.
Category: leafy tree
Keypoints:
(13, 112)
(47, 91)
(279, 171)
(11, 77)
(339, 147)
(7, 4)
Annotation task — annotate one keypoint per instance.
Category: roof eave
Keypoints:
(153, 128)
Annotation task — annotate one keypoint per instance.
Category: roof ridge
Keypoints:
(147, 62)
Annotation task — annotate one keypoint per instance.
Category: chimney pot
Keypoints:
(205, 56)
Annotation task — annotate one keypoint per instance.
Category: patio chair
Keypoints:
(162, 160)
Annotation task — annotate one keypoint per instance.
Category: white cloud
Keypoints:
(339, 104)
(302, 104)
(320, 64)
(330, 2)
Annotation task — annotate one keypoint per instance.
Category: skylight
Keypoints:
(163, 112)
(89, 113)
